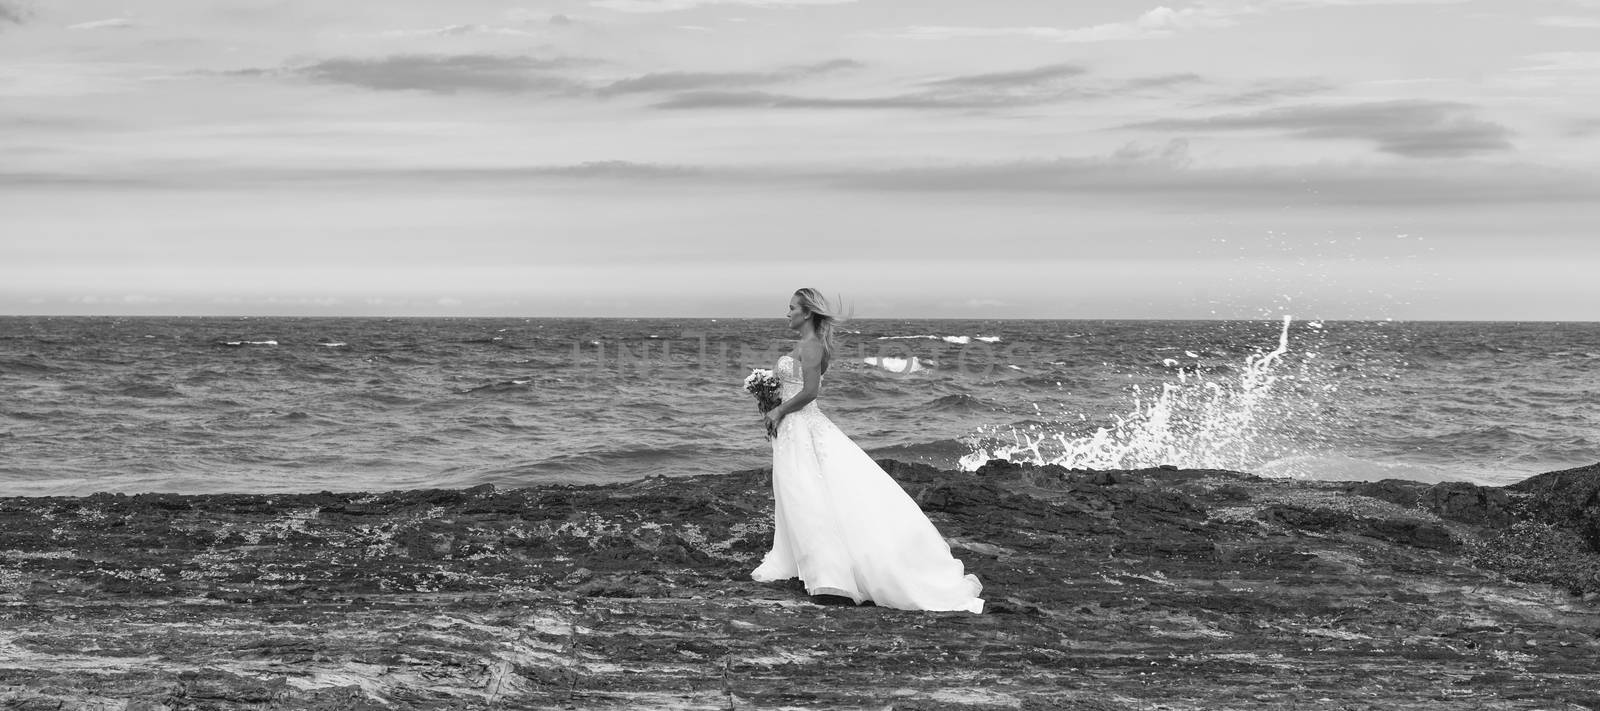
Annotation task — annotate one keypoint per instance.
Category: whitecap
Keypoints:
(896, 365)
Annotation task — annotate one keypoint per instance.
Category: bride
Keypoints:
(842, 525)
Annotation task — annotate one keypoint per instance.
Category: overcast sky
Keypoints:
(1409, 159)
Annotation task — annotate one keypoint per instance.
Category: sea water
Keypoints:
(308, 404)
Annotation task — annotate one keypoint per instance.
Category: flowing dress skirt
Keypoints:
(845, 527)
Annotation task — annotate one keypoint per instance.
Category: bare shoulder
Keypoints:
(812, 353)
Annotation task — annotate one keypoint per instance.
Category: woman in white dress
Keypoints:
(842, 525)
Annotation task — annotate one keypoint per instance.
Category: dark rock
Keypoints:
(1104, 590)
(1303, 519)
(1411, 532)
(1231, 493)
(1468, 503)
(1396, 491)
(999, 467)
(1570, 497)
(1101, 478)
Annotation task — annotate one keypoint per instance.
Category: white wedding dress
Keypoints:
(844, 527)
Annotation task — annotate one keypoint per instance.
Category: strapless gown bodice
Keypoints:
(791, 379)
(845, 527)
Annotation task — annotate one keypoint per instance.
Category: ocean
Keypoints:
(201, 405)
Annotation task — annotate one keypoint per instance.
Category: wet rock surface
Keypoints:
(1150, 589)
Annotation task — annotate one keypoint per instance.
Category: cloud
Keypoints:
(1562, 62)
(621, 170)
(694, 81)
(972, 91)
(1098, 33)
(1569, 21)
(518, 74)
(767, 100)
(924, 100)
(1267, 92)
(1164, 177)
(1411, 128)
(1157, 23)
(1161, 81)
(1202, 16)
(246, 176)
(439, 73)
(458, 31)
(13, 12)
(1153, 176)
(649, 6)
(115, 23)
(43, 122)
(1583, 128)
(1174, 154)
(525, 17)
(1304, 4)
(1025, 77)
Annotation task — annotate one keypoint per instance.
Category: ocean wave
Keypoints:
(242, 343)
(1042, 381)
(865, 389)
(383, 398)
(29, 363)
(149, 390)
(957, 340)
(513, 385)
(957, 402)
(944, 453)
(896, 365)
(205, 375)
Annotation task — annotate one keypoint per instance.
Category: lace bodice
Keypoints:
(791, 379)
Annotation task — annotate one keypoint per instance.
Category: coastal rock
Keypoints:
(1568, 498)
(1138, 589)
(1469, 503)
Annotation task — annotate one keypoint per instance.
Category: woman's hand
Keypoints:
(772, 418)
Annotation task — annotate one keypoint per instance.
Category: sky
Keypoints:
(1365, 159)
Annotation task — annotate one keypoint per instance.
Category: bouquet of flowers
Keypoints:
(764, 385)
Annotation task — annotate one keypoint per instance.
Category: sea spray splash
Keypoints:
(1193, 422)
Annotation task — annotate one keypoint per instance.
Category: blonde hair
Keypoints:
(823, 317)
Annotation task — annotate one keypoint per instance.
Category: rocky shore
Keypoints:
(1149, 589)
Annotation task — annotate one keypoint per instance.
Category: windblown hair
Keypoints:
(823, 316)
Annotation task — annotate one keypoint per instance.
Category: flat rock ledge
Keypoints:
(1107, 590)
